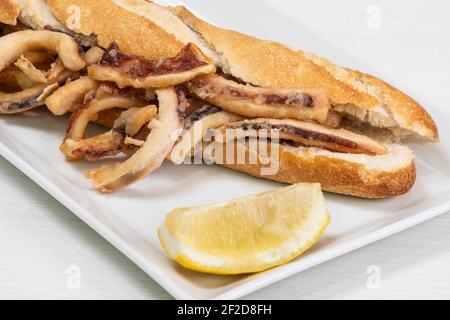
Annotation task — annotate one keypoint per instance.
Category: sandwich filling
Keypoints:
(164, 133)
(130, 70)
(33, 97)
(22, 51)
(300, 104)
(104, 98)
(129, 124)
(306, 134)
(159, 109)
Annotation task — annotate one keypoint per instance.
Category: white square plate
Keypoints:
(129, 219)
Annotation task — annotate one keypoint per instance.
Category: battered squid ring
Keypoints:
(165, 132)
(93, 55)
(110, 143)
(105, 98)
(12, 79)
(128, 70)
(11, 103)
(89, 112)
(68, 97)
(36, 75)
(15, 44)
(252, 102)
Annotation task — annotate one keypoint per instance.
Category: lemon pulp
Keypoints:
(246, 235)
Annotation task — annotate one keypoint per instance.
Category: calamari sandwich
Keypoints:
(153, 75)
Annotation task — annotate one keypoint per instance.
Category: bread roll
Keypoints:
(367, 104)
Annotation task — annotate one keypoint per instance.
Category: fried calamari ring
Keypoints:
(26, 47)
(68, 97)
(106, 97)
(11, 103)
(36, 75)
(15, 44)
(111, 142)
(107, 118)
(89, 112)
(93, 55)
(196, 126)
(13, 80)
(40, 58)
(92, 149)
(304, 133)
(151, 155)
(131, 121)
(253, 102)
(132, 71)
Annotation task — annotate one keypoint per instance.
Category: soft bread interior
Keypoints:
(397, 157)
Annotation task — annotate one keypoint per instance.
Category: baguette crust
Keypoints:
(162, 32)
(336, 174)
(133, 32)
(146, 29)
(270, 64)
(406, 112)
(9, 11)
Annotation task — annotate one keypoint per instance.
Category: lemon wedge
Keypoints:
(246, 235)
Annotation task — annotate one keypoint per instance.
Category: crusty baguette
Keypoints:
(159, 31)
(9, 11)
(363, 176)
(132, 31)
(270, 64)
(147, 29)
(33, 13)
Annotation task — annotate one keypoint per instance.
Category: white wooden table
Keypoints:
(43, 247)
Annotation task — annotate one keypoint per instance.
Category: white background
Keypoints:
(41, 241)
